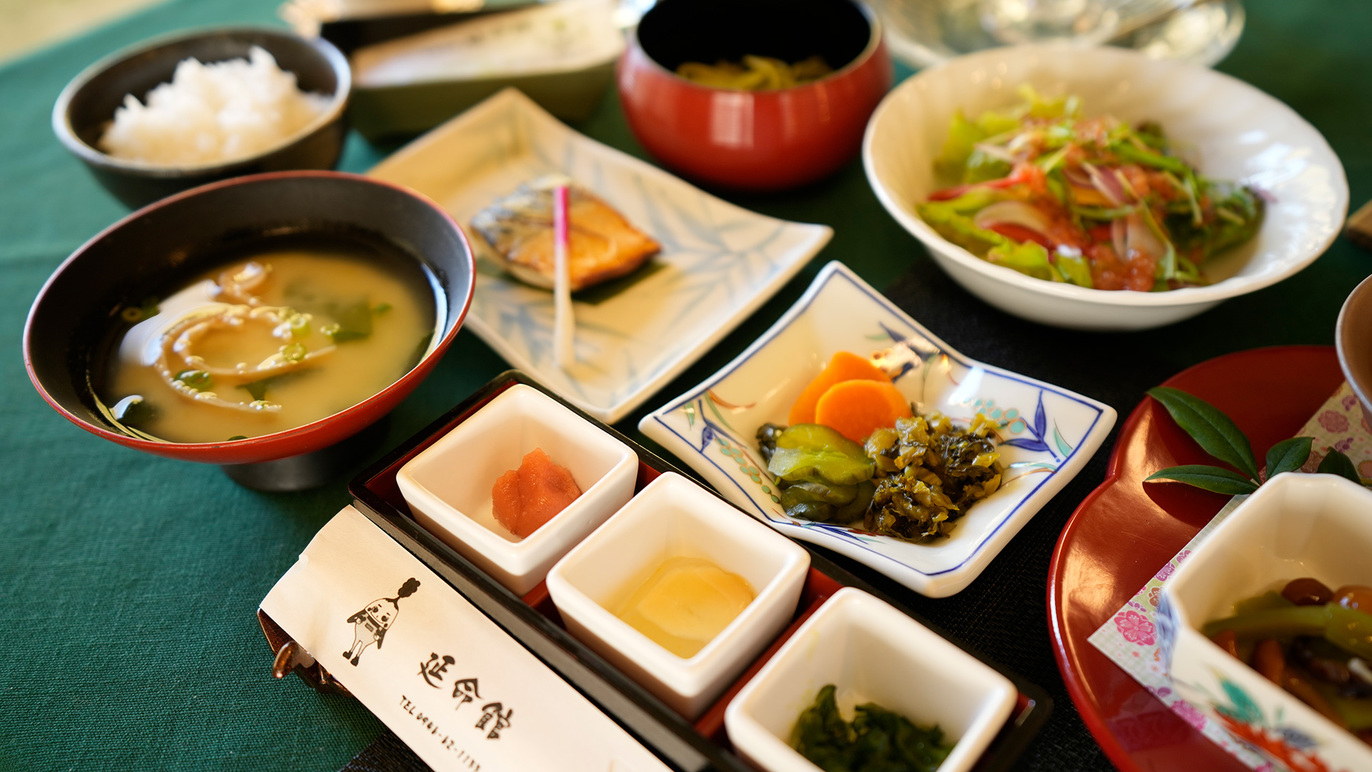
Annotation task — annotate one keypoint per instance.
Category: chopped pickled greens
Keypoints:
(1088, 201)
(877, 739)
(929, 472)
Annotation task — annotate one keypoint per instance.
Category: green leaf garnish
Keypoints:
(1288, 455)
(1219, 436)
(1210, 478)
(1215, 432)
(1339, 464)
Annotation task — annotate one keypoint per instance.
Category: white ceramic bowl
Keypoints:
(1352, 331)
(871, 652)
(448, 485)
(1048, 433)
(673, 516)
(1229, 130)
(1294, 525)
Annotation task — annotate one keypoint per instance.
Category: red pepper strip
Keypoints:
(1021, 233)
(948, 194)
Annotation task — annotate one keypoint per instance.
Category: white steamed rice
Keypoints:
(213, 113)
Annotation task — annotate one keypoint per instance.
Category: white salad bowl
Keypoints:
(449, 484)
(675, 517)
(872, 653)
(1227, 129)
(1293, 526)
(1047, 433)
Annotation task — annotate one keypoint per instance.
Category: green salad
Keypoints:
(1089, 201)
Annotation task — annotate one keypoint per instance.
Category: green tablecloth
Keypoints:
(130, 582)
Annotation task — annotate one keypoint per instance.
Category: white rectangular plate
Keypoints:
(718, 262)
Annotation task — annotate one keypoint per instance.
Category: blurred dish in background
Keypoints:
(566, 35)
(421, 63)
(925, 32)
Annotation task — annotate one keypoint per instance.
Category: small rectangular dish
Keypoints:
(449, 486)
(1047, 433)
(1295, 526)
(718, 262)
(537, 622)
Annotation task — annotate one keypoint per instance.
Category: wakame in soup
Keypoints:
(274, 337)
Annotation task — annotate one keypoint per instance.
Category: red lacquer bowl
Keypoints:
(753, 140)
(68, 327)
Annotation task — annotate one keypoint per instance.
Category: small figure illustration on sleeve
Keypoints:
(371, 623)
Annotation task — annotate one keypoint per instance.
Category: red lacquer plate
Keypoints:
(1125, 531)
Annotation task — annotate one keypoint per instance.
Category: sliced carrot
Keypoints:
(857, 408)
(843, 366)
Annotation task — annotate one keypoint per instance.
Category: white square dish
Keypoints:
(1047, 433)
(675, 517)
(449, 485)
(872, 653)
(717, 265)
(1293, 526)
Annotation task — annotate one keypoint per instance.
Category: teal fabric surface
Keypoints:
(129, 584)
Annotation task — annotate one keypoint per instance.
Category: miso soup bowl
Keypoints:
(87, 105)
(675, 517)
(449, 485)
(166, 244)
(753, 140)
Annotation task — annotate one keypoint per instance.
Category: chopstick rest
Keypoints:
(1358, 228)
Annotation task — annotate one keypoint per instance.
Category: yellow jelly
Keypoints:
(684, 603)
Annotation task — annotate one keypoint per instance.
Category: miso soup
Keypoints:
(270, 339)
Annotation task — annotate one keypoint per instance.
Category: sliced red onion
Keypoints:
(1139, 238)
(995, 151)
(1108, 183)
(1078, 177)
(1018, 213)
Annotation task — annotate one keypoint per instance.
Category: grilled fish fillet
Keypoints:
(601, 243)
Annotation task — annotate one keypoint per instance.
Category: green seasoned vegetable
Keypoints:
(195, 379)
(1348, 629)
(814, 452)
(877, 740)
(823, 476)
(133, 410)
(928, 473)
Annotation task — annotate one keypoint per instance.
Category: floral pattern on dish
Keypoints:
(1242, 716)
(1047, 433)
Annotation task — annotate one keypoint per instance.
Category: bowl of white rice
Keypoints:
(194, 107)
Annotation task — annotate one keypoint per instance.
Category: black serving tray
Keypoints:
(533, 620)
